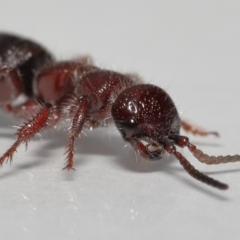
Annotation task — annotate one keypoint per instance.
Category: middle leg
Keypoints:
(45, 117)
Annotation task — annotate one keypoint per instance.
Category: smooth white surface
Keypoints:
(191, 49)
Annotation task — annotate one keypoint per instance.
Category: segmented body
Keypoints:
(88, 96)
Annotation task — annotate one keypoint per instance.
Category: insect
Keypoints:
(91, 97)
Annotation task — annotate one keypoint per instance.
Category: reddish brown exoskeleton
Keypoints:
(90, 97)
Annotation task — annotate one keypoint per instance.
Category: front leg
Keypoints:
(78, 114)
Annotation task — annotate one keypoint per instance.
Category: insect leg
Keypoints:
(80, 111)
(29, 129)
(195, 130)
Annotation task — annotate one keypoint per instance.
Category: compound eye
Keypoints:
(130, 123)
(129, 126)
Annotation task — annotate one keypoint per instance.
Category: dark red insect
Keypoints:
(90, 97)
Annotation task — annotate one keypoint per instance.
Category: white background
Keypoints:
(191, 49)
